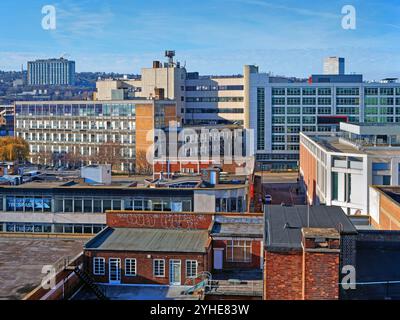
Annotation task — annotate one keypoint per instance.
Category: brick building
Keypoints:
(150, 248)
(384, 204)
(168, 248)
(303, 252)
(238, 242)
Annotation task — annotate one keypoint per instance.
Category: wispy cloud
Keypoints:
(76, 22)
(293, 9)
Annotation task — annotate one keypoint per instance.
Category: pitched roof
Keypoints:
(283, 224)
(149, 240)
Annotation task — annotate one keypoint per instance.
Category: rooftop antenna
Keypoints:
(170, 54)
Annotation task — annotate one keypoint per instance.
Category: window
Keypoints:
(324, 91)
(386, 180)
(278, 138)
(191, 268)
(348, 101)
(371, 110)
(238, 251)
(335, 186)
(309, 110)
(261, 118)
(99, 266)
(292, 120)
(293, 101)
(217, 204)
(278, 101)
(347, 91)
(278, 91)
(387, 101)
(309, 101)
(324, 110)
(130, 267)
(309, 91)
(293, 110)
(324, 101)
(371, 101)
(387, 91)
(159, 267)
(293, 91)
(278, 110)
(371, 91)
(309, 120)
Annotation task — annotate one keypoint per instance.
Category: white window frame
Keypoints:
(163, 268)
(130, 273)
(191, 267)
(99, 270)
(229, 251)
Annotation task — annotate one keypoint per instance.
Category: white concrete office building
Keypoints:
(338, 168)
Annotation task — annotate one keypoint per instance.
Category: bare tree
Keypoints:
(44, 158)
(73, 159)
(109, 153)
(142, 164)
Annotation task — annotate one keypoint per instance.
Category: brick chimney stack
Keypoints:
(321, 250)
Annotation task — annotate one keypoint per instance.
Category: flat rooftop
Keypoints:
(150, 240)
(138, 182)
(22, 260)
(120, 292)
(371, 128)
(337, 144)
(238, 227)
(334, 144)
(393, 192)
(283, 224)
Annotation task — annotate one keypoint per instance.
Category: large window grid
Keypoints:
(28, 203)
(238, 251)
(101, 205)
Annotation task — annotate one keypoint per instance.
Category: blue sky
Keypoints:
(285, 37)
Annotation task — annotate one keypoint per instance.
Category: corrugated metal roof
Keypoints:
(283, 224)
(150, 240)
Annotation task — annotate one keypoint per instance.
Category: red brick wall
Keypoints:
(180, 166)
(255, 255)
(164, 220)
(283, 276)
(301, 276)
(144, 266)
(308, 167)
(320, 276)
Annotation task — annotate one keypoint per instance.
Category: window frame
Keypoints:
(187, 262)
(154, 268)
(130, 274)
(230, 245)
(102, 267)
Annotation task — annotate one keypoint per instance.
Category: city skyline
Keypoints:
(213, 37)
